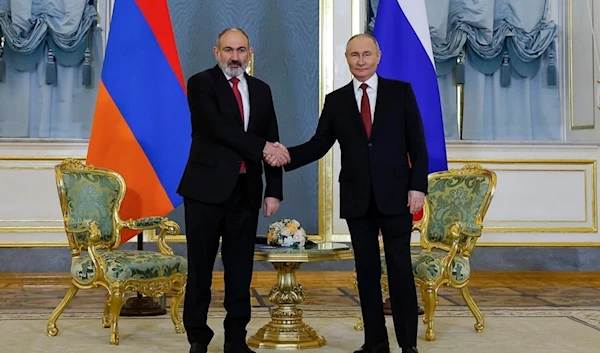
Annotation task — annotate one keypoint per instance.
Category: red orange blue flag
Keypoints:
(141, 126)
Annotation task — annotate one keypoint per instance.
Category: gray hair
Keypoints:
(228, 30)
(363, 35)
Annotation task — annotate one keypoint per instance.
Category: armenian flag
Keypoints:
(141, 127)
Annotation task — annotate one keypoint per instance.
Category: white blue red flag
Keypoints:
(402, 30)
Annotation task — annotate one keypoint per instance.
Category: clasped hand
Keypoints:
(276, 154)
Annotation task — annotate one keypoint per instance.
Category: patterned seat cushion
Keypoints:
(123, 265)
(427, 266)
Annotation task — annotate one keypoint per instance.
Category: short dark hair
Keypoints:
(228, 30)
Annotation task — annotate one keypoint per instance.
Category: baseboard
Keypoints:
(344, 279)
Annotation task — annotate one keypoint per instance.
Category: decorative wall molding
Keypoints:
(547, 194)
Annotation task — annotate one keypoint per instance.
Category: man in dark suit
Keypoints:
(378, 125)
(233, 124)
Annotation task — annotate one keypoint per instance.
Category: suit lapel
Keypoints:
(353, 112)
(225, 90)
(253, 99)
(380, 104)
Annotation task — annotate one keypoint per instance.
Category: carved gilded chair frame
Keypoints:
(464, 238)
(116, 289)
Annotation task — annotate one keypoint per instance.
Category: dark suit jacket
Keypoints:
(219, 142)
(379, 163)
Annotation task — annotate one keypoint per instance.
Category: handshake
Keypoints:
(276, 154)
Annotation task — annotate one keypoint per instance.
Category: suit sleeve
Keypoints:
(318, 145)
(203, 105)
(273, 175)
(415, 143)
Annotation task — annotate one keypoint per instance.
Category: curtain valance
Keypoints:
(492, 34)
(60, 29)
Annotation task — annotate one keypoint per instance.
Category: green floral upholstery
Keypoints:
(124, 265)
(427, 266)
(91, 195)
(147, 222)
(454, 198)
(455, 207)
(90, 199)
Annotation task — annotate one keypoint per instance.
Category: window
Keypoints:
(50, 63)
(498, 68)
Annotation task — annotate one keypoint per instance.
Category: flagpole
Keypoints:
(460, 93)
(460, 101)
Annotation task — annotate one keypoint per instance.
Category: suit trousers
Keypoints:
(235, 222)
(396, 231)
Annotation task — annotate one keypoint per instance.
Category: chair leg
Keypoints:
(385, 287)
(117, 299)
(430, 302)
(51, 329)
(106, 314)
(359, 325)
(178, 295)
(464, 291)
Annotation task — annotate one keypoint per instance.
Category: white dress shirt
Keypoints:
(243, 88)
(371, 92)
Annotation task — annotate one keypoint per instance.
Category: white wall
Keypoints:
(547, 193)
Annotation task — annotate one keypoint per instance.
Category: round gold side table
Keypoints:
(287, 330)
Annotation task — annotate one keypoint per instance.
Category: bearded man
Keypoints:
(234, 127)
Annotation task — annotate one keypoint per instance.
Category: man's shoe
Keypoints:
(409, 350)
(197, 347)
(383, 347)
(236, 347)
(420, 311)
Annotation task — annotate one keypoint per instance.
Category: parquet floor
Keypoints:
(527, 289)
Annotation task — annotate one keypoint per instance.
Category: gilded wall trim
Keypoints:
(570, 33)
(592, 168)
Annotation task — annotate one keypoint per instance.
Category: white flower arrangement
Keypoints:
(286, 232)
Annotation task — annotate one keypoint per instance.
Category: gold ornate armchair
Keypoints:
(90, 199)
(452, 221)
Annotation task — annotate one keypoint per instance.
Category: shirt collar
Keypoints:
(242, 77)
(372, 83)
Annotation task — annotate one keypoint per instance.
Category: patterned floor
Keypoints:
(533, 314)
(40, 297)
(508, 329)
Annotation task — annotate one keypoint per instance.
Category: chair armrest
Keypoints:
(92, 227)
(145, 223)
(78, 225)
(454, 236)
(467, 234)
(165, 225)
(467, 229)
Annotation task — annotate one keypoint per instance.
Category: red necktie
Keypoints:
(365, 110)
(238, 97)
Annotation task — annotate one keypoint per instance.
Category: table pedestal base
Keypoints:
(286, 330)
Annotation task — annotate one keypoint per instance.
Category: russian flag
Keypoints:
(402, 30)
(141, 126)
